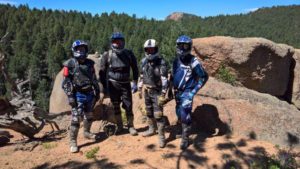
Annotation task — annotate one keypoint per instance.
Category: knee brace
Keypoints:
(149, 109)
(185, 116)
(158, 115)
(75, 124)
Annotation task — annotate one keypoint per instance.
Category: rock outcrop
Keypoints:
(222, 108)
(58, 98)
(295, 79)
(176, 16)
(257, 63)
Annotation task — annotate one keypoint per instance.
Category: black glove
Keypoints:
(72, 102)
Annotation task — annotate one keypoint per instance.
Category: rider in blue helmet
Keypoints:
(81, 86)
(117, 42)
(114, 75)
(188, 77)
(82, 52)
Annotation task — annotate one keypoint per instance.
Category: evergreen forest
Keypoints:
(36, 42)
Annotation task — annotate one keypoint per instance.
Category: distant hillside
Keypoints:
(279, 24)
(175, 16)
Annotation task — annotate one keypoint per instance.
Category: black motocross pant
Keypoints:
(118, 92)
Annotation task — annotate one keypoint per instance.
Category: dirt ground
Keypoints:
(125, 151)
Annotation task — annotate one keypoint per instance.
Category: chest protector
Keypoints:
(81, 74)
(119, 65)
(119, 62)
(183, 75)
(152, 73)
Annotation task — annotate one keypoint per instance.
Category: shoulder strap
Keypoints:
(109, 57)
(122, 59)
(76, 65)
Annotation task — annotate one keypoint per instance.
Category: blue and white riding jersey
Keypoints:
(191, 76)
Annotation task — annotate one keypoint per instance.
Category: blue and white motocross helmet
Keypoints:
(79, 54)
(117, 41)
(183, 45)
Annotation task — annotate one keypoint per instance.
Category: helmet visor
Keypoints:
(80, 49)
(184, 46)
(117, 43)
(150, 51)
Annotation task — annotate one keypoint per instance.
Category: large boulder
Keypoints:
(257, 63)
(221, 108)
(295, 94)
(58, 98)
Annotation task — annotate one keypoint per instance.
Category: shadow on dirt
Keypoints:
(103, 163)
(206, 124)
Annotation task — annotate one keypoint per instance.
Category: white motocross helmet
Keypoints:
(151, 49)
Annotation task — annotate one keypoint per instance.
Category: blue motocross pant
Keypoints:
(85, 103)
(184, 104)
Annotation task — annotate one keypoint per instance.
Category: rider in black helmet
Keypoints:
(114, 75)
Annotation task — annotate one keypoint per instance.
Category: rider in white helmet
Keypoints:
(153, 78)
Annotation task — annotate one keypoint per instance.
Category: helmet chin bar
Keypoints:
(80, 55)
(152, 56)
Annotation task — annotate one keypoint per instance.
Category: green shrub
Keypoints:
(91, 154)
(48, 145)
(284, 159)
(225, 75)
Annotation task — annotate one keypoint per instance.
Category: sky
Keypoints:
(157, 9)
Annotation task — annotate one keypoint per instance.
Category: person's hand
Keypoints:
(134, 87)
(187, 96)
(191, 95)
(162, 100)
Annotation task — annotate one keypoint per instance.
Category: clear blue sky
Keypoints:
(157, 9)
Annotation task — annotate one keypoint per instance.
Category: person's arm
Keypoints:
(67, 85)
(95, 84)
(200, 73)
(141, 79)
(103, 70)
(164, 76)
(135, 72)
(134, 67)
